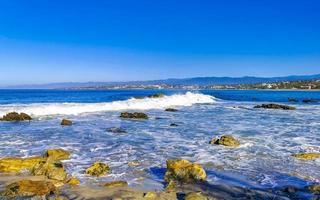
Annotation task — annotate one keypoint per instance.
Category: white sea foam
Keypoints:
(45, 109)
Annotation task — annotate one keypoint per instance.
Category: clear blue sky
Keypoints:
(45, 41)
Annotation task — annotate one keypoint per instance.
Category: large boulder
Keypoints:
(184, 171)
(14, 116)
(275, 106)
(25, 188)
(135, 115)
(57, 154)
(157, 95)
(16, 165)
(97, 169)
(307, 156)
(52, 169)
(226, 140)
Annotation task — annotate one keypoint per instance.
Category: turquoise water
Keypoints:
(263, 161)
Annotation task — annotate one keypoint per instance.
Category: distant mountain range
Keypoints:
(201, 81)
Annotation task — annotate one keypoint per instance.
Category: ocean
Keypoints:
(263, 161)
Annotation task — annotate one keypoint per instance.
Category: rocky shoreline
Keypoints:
(44, 176)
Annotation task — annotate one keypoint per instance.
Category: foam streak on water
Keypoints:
(187, 99)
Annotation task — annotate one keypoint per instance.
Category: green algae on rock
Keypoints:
(307, 156)
(57, 154)
(52, 169)
(195, 196)
(226, 140)
(114, 184)
(14, 116)
(16, 165)
(29, 188)
(275, 106)
(98, 169)
(66, 122)
(184, 171)
(135, 115)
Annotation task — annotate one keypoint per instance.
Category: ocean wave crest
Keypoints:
(44, 109)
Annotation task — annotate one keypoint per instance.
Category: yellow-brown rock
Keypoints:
(14, 116)
(226, 140)
(195, 196)
(315, 189)
(66, 122)
(52, 169)
(97, 169)
(150, 195)
(307, 156)
(73, 181)
(57, 154)
(29, 188)
(16, 165)
(114, 184)
(184, 171)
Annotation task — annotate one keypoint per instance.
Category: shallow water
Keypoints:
(263, 161)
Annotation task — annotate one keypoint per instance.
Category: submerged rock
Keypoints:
(98, 169)
(275, 106)
(173, 125)
(184, 171)
(29, 188)
(157, 95)
(171, 110)
(226, 140)
(292, 100)
(57, 154)
(135, 115)
(14, 116)
(195, 196)
(66, 122)
(315, 189)
(307, 156)
(309, 101)
(16, 165)
(116, 130)
(116, 184)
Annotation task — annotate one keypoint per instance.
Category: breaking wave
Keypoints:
(44, 109)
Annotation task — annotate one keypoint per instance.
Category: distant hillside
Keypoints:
(201, 81)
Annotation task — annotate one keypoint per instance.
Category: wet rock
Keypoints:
(29, 188)
(172, 185)
(14, 116)
(66, 122)
(307, 156)
(150, 195)
(57, 154)
(98, 169)
(16, 165)
(226, 140)
(157, 95)
(195, 196)
(309, 101)
(315, 189)
(73, 181)
(275, 106)
(171, 110)
(52, 169)
(184, 171)
(173, 125)
(114, 184)
(116, 130)
(136, 115)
